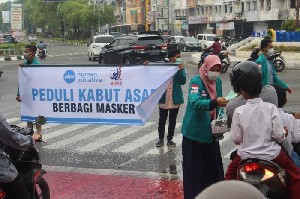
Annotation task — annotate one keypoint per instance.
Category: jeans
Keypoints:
(163, 115)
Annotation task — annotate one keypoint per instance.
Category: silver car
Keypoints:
(32, 38)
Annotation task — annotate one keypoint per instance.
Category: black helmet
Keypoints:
(240, 68)
(41, 41)
(216, 39)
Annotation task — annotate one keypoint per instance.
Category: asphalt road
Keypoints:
(114, 149)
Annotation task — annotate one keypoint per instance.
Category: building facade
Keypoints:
(239, 17)
(191, 17)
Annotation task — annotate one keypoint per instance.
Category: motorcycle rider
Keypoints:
(260, 140)
(269, 75)
(42, 46)
(10, 180)
(291, 123)
(216, 46)
(268, 92)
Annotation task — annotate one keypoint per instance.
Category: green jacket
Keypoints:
(196, 123)
(34, 62)
(177, 94)
(262, 60)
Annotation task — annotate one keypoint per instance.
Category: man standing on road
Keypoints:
(29, 56)
(269, 75)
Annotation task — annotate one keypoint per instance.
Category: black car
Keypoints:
(133, 49)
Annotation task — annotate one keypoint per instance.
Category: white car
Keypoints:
(32, 38)
(97, 44)
(206, 40)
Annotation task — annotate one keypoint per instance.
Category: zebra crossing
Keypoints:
(84, 138)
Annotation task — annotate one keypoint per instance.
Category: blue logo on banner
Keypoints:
(69, 76)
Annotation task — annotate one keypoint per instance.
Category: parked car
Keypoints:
(3, 41)
(32, 38)
(133, 49)
(97, 44)
(206, 39)
(189, 43)
(177, 38)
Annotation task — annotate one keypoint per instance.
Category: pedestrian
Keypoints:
(231, 189)
(29, 56)
(202, 161)
(269, 74)
(170, 101)
(10, 180)
(260, 140)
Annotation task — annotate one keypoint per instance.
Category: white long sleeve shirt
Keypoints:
(289, 121)
(256, 127)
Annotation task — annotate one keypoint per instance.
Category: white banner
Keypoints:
(91, 94)
(5, 16)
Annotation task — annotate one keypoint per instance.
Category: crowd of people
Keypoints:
(261, 95)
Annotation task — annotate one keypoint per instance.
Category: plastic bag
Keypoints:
(219, 125)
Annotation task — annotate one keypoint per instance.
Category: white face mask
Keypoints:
(178, 60)
(270, 51)
(213, 75)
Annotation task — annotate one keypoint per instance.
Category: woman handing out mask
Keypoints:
(202, 162)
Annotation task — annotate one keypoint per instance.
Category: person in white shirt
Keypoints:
(257, 129)
(291, 123)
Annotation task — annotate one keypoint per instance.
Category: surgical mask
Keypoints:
(178, 61)
(270, 51)
(213, 75)
(26, 56)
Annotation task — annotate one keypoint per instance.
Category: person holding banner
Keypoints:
(202, 162)
(29, 56)
(170, 101)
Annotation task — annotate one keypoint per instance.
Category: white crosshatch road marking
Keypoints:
(77, 138)
(53, 131)
(112, 138)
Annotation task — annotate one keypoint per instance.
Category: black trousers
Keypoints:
(163, 115)
(15, 189)
(202, 166)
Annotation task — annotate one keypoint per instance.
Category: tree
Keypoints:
(288, 25)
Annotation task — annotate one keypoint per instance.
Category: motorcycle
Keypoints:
(223, 55)
(267, 176)
(42, 54)
(29, 166)
(277, 61)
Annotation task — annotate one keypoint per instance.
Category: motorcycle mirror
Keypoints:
(41, 120)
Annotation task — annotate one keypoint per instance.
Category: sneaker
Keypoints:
(160, 143)
(171, 143)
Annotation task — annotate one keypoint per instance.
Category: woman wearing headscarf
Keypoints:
(202, 161)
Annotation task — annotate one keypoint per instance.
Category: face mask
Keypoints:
(213, 75)
(178, 61)
(26, 56)
(270, 51)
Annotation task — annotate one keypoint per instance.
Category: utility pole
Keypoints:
(146, 15)
(297, 14)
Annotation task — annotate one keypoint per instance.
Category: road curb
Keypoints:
(289, 66)
(14, 58)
